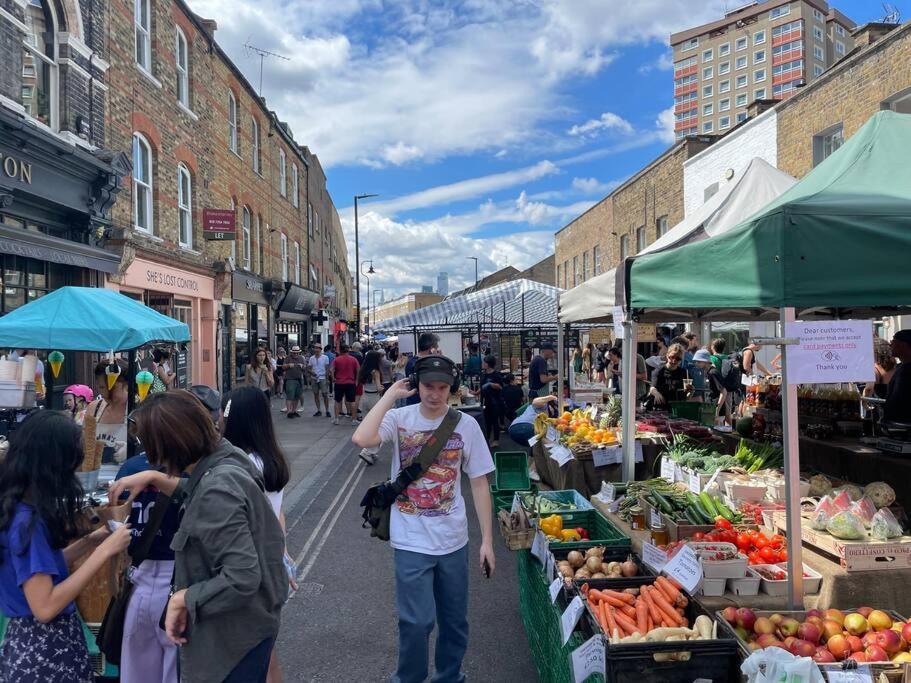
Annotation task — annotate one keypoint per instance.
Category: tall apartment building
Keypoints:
(760, 51)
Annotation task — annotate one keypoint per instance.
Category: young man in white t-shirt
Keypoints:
(429, 524)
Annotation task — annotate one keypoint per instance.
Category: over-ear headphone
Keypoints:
(435, 364)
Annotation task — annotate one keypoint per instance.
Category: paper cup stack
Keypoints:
(29, 366)
(9, 370)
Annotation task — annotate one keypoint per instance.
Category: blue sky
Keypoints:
(486, 125)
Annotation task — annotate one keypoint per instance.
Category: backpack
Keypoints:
(732, 371)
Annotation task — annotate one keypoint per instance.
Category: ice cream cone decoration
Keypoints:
(55, 358)
(143, 381)
(112, 372)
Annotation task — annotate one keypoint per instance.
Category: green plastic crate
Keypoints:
(600, 530)
(568, 496)
(502, 500)
(512, 471)
(703, 413)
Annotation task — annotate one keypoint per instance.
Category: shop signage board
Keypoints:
(248, 288)
(588, 659)
(181, 380)
(532, 339)
(219, 224)
(601, 457)
(830, 351)
(570, 617)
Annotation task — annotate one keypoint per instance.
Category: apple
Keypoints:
(836, 615)
(906, 632)
(746, 618)
(754, 646)
(789, 642)
(775, 618)
(804, 648)
(856, 624)
(830, 628)
(902, 658)
(890, 641)
(858, 657)
(865, 611)
(856, 643)
(809, 631)
(815, 620)
(814, 613)
(879, 620)
(869, 639)
(839, 646)
(741, 633)
(789, 627)
(764, 625)
(730, 615)
(823, 656)
(767, 640)
(875, 653)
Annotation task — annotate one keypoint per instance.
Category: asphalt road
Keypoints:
(341, 625)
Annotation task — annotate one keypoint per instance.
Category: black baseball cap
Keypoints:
(435, 369)
(547, 346)
(210, 398)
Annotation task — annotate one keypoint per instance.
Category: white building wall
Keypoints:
(758, 137)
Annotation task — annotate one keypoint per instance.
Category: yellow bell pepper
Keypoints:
(552, 526)
(570, 535)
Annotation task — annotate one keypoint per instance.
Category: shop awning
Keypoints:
(735, 201)
(87, 319)
(511, 303)
(840, 237)
(37, 245)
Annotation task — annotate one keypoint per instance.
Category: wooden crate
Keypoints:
(853, 556)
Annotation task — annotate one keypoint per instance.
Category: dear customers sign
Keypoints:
(830, 351)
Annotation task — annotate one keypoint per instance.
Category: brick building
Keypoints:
(626, 221)
(202, 139)
(758, 51)
(408, 303)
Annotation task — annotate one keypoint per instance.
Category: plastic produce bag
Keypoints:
(884, 525)
(823, 511)
(846, 526)
(773, 665)
(842, 500)
(865, 509)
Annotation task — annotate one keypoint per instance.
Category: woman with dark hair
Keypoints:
(108, 412)
(259, 372)
(39, 502)
(371, 377)
(492, 397)
(230, 579)
(161, 369)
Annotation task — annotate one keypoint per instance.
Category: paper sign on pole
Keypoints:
(561, 454)
(685, 568)
(588, 659)
(555, 587)
(830, 351)
(618, 322)
(570, 617)
(639, 457)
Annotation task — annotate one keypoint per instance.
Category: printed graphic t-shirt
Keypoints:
(433, 520)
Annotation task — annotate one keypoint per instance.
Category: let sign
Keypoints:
(219, 224)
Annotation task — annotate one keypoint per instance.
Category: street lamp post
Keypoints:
(475, 259)
(357, 262)
(370, 271)
(375, 292)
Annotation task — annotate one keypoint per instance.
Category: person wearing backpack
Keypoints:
(716, 392)
(428, 528)
(750, 362)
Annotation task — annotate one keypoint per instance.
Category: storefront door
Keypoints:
(183, 311)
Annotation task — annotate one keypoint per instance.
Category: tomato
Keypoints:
(729, 537)
(769, 555)
(744, 542)
(761, 541)
(754, 558)
(777, 541)
(722, 523)
(698, 536)
(782, 555)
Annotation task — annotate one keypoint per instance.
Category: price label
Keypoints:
(549, 568)
(653, 556)
(667, 469)
(533, 440)
(570, 617)
(555, 587)
(561, 454)
(655, 518)
(862, 674)
(588, 659)
(539, 547)
(615, 506)
(608, 494)
(552, 434)
(602, 457)
(685, 568)
(693, 482)
(708, 484)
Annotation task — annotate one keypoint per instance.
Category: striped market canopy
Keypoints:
(509, 303)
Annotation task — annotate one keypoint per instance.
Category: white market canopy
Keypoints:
(508, 303)
(733, 203)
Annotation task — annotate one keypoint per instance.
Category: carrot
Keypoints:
(651, 624)
(613, 601)
(674, 582)
(628, 610)
(626, 597)
(653, 610)
(609, 617)
(670, 592)
(682, 601)
(642, 617)
(602, 618)
(665, 607)
(628, 624)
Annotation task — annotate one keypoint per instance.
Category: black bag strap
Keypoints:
(430, 450)
(144, 542)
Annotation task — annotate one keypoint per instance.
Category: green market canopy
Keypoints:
(840, 237)
(87, 319)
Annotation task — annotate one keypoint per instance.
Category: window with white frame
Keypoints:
(827, 142)
(661, 227)
(624, 247)
(818, 53)
(776, 12)
(282, 173)
(685, 63)
(741, 116)
(758, 56)
(724, 68)
(142, 184)
(182, 62)
(142, 20)
(297, 263)
(585, 272)
(724, 86)
(707, 91)
(818, 15)
(690, 44)
(284, 253)
(707, 109)
(724, 105)
(741, 100)
(792, 68)
(184, 207)
(641, 239)
(39, 63)
(295, 186)
(839, 29)
(577, 275)
(759, 94)
(759, 75)
(724, 122)
(817, 33)
(839, 47)
(741, 43)
(706, 73)
(724, 49)
(741, 62)
(741, 81)
(795, 47)
(596, 259)
(759, 38)
(316, 222)
(254, 137)
(707, 127)
(790, 27)
(28, 70)
(310, 219)
(707, 55)
(232, 122)
(817, 70)
(246, 247)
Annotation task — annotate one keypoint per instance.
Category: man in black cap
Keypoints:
(539, 375)
(898, 395)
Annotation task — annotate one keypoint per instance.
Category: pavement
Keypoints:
(341, 625)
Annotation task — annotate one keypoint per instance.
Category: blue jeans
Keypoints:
(522, 432)
(428, 589)
(254, 667)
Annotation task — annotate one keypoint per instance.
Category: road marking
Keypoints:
(359, 471)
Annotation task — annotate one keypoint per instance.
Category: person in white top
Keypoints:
(429, 524)
(248, 425)
(319, 368)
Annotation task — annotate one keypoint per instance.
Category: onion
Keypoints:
(597, 551)
(599, 575)
(629, 568)
(593, 564)
(583, 574)
(566, 571)
(613, 567)
(575, 559)
(605, 567)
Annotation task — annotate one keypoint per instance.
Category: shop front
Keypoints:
(253, 317)
(188, 297)
(293, 316)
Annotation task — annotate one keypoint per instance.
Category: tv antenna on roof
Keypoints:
(262, 55)
(892, 14)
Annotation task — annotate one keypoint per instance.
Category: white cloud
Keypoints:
(607, 121)
(400, 153)
(592, 186)
(665, 124)
(664, 63)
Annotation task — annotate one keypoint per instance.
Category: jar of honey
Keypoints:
(638, 519)
(659, 534)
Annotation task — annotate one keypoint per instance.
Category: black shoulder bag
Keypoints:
(378, 500)
(110, 635)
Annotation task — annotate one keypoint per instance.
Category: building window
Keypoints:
(759, 94)
(566, 274)
(741, 62)
(184, 207)
(28, 70)
(39, 64)
(818, 15)
(259, 245)
(295, 187)
(707, 109)
(232, 122)
(900, 102)
(759, 75)
(706, 73)
(776, 12)
(758, 56)
(817, 70)
(724, 104)
(724, 68)
(707, 56)
(817, 33)
(707, 127)
(142, 184)
(246, 247)
(142, 19)
(742, 100)
(707, 91)
(181, 58)
(585, 271)
(795, 27)
(284, 247)
(839, 29)
(759, 38)
(596, 258)
(724, 122)
(310, 219)
(740, 44)
(316, 223)
(624, 248)
(640, 239)
(297, 263)
(559, 274)
(741, 81)
(254, 135)
(724, 50)
(576, 279)
(827, 142)
(818, 53)
(724, 86)
(789, 69)
(661, 227)
(690, 44)
(741, 116)
(839, 47)
(282, 171)
(685, 63)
